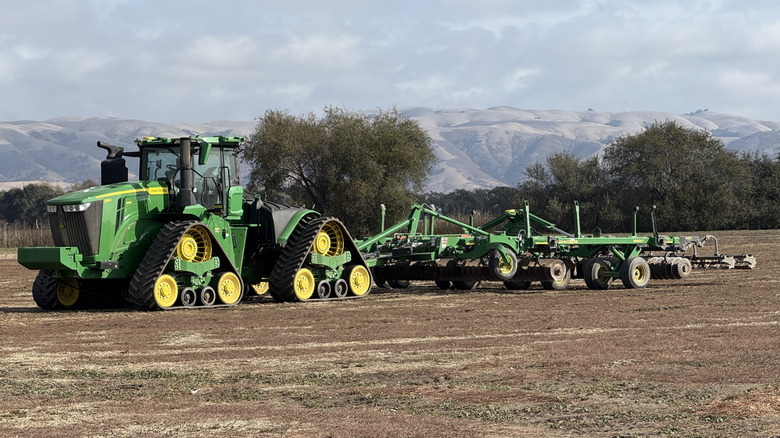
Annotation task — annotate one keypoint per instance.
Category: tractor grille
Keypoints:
(79, 229)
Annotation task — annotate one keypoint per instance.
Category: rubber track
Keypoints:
(156, 260)
(154, 263)
(292, 258)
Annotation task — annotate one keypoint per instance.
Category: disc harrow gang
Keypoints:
(519, 248)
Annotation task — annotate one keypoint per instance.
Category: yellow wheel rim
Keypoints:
(359, 280)
(68, 292)
(329, 240)
(261, 288)
(195, 245)
(303, 284)
(640, 274)
(505, 267)
(166, 291)
(229, 288)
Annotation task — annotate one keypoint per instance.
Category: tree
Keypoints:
(27, 206)
(551, 190)
(696, 183)
(763, 206)
(344, 164)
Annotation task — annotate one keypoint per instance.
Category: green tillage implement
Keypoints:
(517, 254)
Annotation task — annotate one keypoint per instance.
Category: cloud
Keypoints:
(200, 61)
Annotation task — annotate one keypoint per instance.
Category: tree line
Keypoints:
(346, 164)
(694, 182)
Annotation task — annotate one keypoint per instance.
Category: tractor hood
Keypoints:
(108, 193)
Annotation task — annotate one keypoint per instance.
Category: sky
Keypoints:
(199, 61)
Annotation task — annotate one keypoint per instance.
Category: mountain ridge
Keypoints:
(476, 148)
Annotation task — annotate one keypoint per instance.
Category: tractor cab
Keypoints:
(202, 171)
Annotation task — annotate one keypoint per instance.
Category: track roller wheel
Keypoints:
(500, 268)
(594, 273)
(635, 273)
(229, 288)
(517, 285)
(261, 288)
(323, 289)
(340, 288)
(303, 284)
(359, 280)
(207, 296)
(189, 297)
(166, 291)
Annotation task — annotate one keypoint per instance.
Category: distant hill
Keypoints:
(475, 148)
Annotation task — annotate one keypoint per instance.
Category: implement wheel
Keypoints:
(517, 285)
(561, 284)
(503, 270)
(635, 273)
(596, 272)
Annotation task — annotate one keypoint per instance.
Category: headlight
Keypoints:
(51, 208)
(75, 208)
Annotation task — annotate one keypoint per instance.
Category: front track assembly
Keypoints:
(185, 267)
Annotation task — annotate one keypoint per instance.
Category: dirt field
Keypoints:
(697, 357)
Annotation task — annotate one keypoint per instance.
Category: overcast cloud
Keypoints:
(200, 61)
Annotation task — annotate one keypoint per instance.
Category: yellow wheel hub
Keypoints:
(359, 280)
(504, 266)
(68, 292)
(329, 240)
(303, 284)
(229, 288)
(195, 245)
(261, 288)
(640, 273)
(166, 291)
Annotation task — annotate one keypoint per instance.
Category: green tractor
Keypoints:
(184, 236)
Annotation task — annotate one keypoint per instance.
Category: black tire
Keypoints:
(44, 291)
(635, 273)
(399, 284)
(682, 268)
(464, 285)
(498, 267)
(591, 272)
(376, 275)
(443, 284)
(517, 285)
(562, 284)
